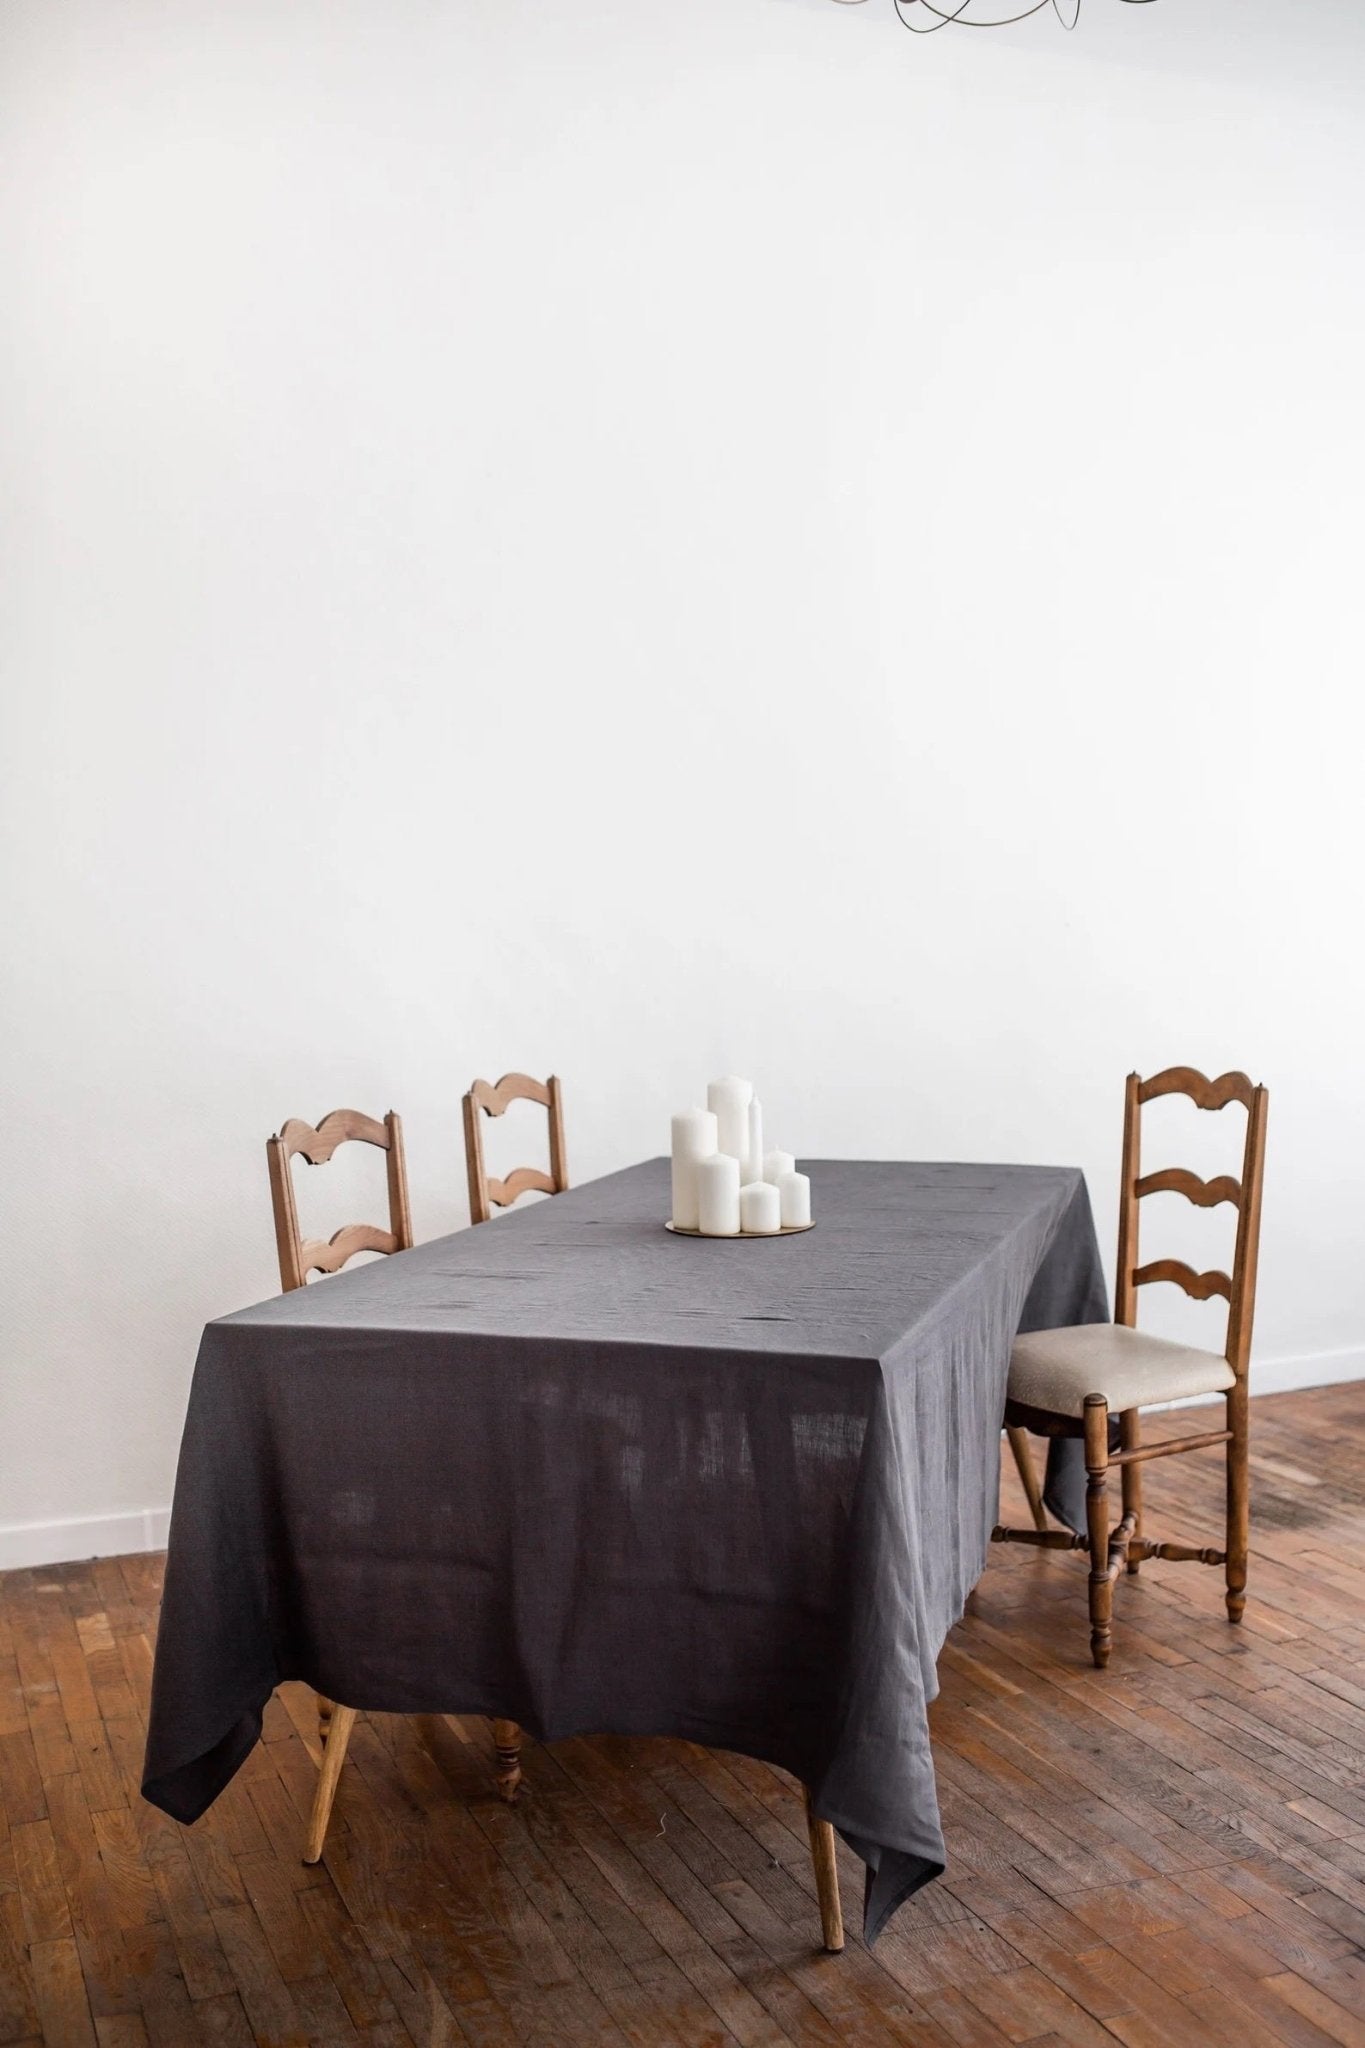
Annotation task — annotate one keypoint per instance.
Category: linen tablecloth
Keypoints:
(573, 1470)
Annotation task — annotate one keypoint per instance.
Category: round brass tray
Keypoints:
(787, 1230)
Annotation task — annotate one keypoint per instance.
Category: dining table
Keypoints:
(573, 1470)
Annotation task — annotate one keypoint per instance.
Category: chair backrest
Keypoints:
(1237, 1288)
(487, 1193)
(299, 1258)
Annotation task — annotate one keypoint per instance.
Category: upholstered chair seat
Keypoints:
(1054, 1370)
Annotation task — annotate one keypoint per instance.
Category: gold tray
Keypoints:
(787, 1230)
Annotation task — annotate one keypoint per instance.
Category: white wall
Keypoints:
(458, 457)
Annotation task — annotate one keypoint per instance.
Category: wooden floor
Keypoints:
(1173, 1852)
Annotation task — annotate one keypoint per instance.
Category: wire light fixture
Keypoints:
(933, 16)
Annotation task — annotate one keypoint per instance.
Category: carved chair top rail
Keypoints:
(495, 1097)
(318, 1142)
(1204, 1093)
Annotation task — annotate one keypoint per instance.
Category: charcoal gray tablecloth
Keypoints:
(572, 1469)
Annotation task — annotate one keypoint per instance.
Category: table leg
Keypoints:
(826, 1879)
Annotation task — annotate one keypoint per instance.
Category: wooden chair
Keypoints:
(297, 1258)
(1068, 1382)
(484, 1194)
(487, 1194)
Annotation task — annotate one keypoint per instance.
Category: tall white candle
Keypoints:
(775, 1164)
(694, 1139)
(794, 1191)
(730, 1098)
(718, 1195)
(753, 1158)
(760, 1209)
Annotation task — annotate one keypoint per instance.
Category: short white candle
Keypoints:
(760, 1209)
(794, 1192)
(753, 1158)
(718, 1195)
(775, 1164)
(694, 1139)
(730, 1098)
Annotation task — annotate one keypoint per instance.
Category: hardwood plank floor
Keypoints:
(1171, 1852)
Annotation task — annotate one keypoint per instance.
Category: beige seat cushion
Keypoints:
(1056, 1369)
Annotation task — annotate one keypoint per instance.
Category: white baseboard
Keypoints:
(1319, 1369)
(39, 1543)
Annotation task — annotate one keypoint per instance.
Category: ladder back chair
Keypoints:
(299, 1257)
(484, 1194)
(317, 1255)
(487, 1098)
(493, 1099)
(1069, 1382)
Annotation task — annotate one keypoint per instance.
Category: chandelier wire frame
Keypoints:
(947, 17)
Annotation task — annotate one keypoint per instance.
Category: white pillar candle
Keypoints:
(775, 1164)
(753, 1157)
(794, 1192)
(730, 1098)
(694, 1139)
(760, 1209)
(718, 1195)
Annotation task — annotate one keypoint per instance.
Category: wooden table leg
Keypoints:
(826, 1879)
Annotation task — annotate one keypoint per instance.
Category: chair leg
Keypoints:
(1023, 1459)
(1130, 1436)
(324, 1706)
(333, 1757)
(826, 1879)
(1097, 1525)
(1238, 1542)
(507, 1745)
